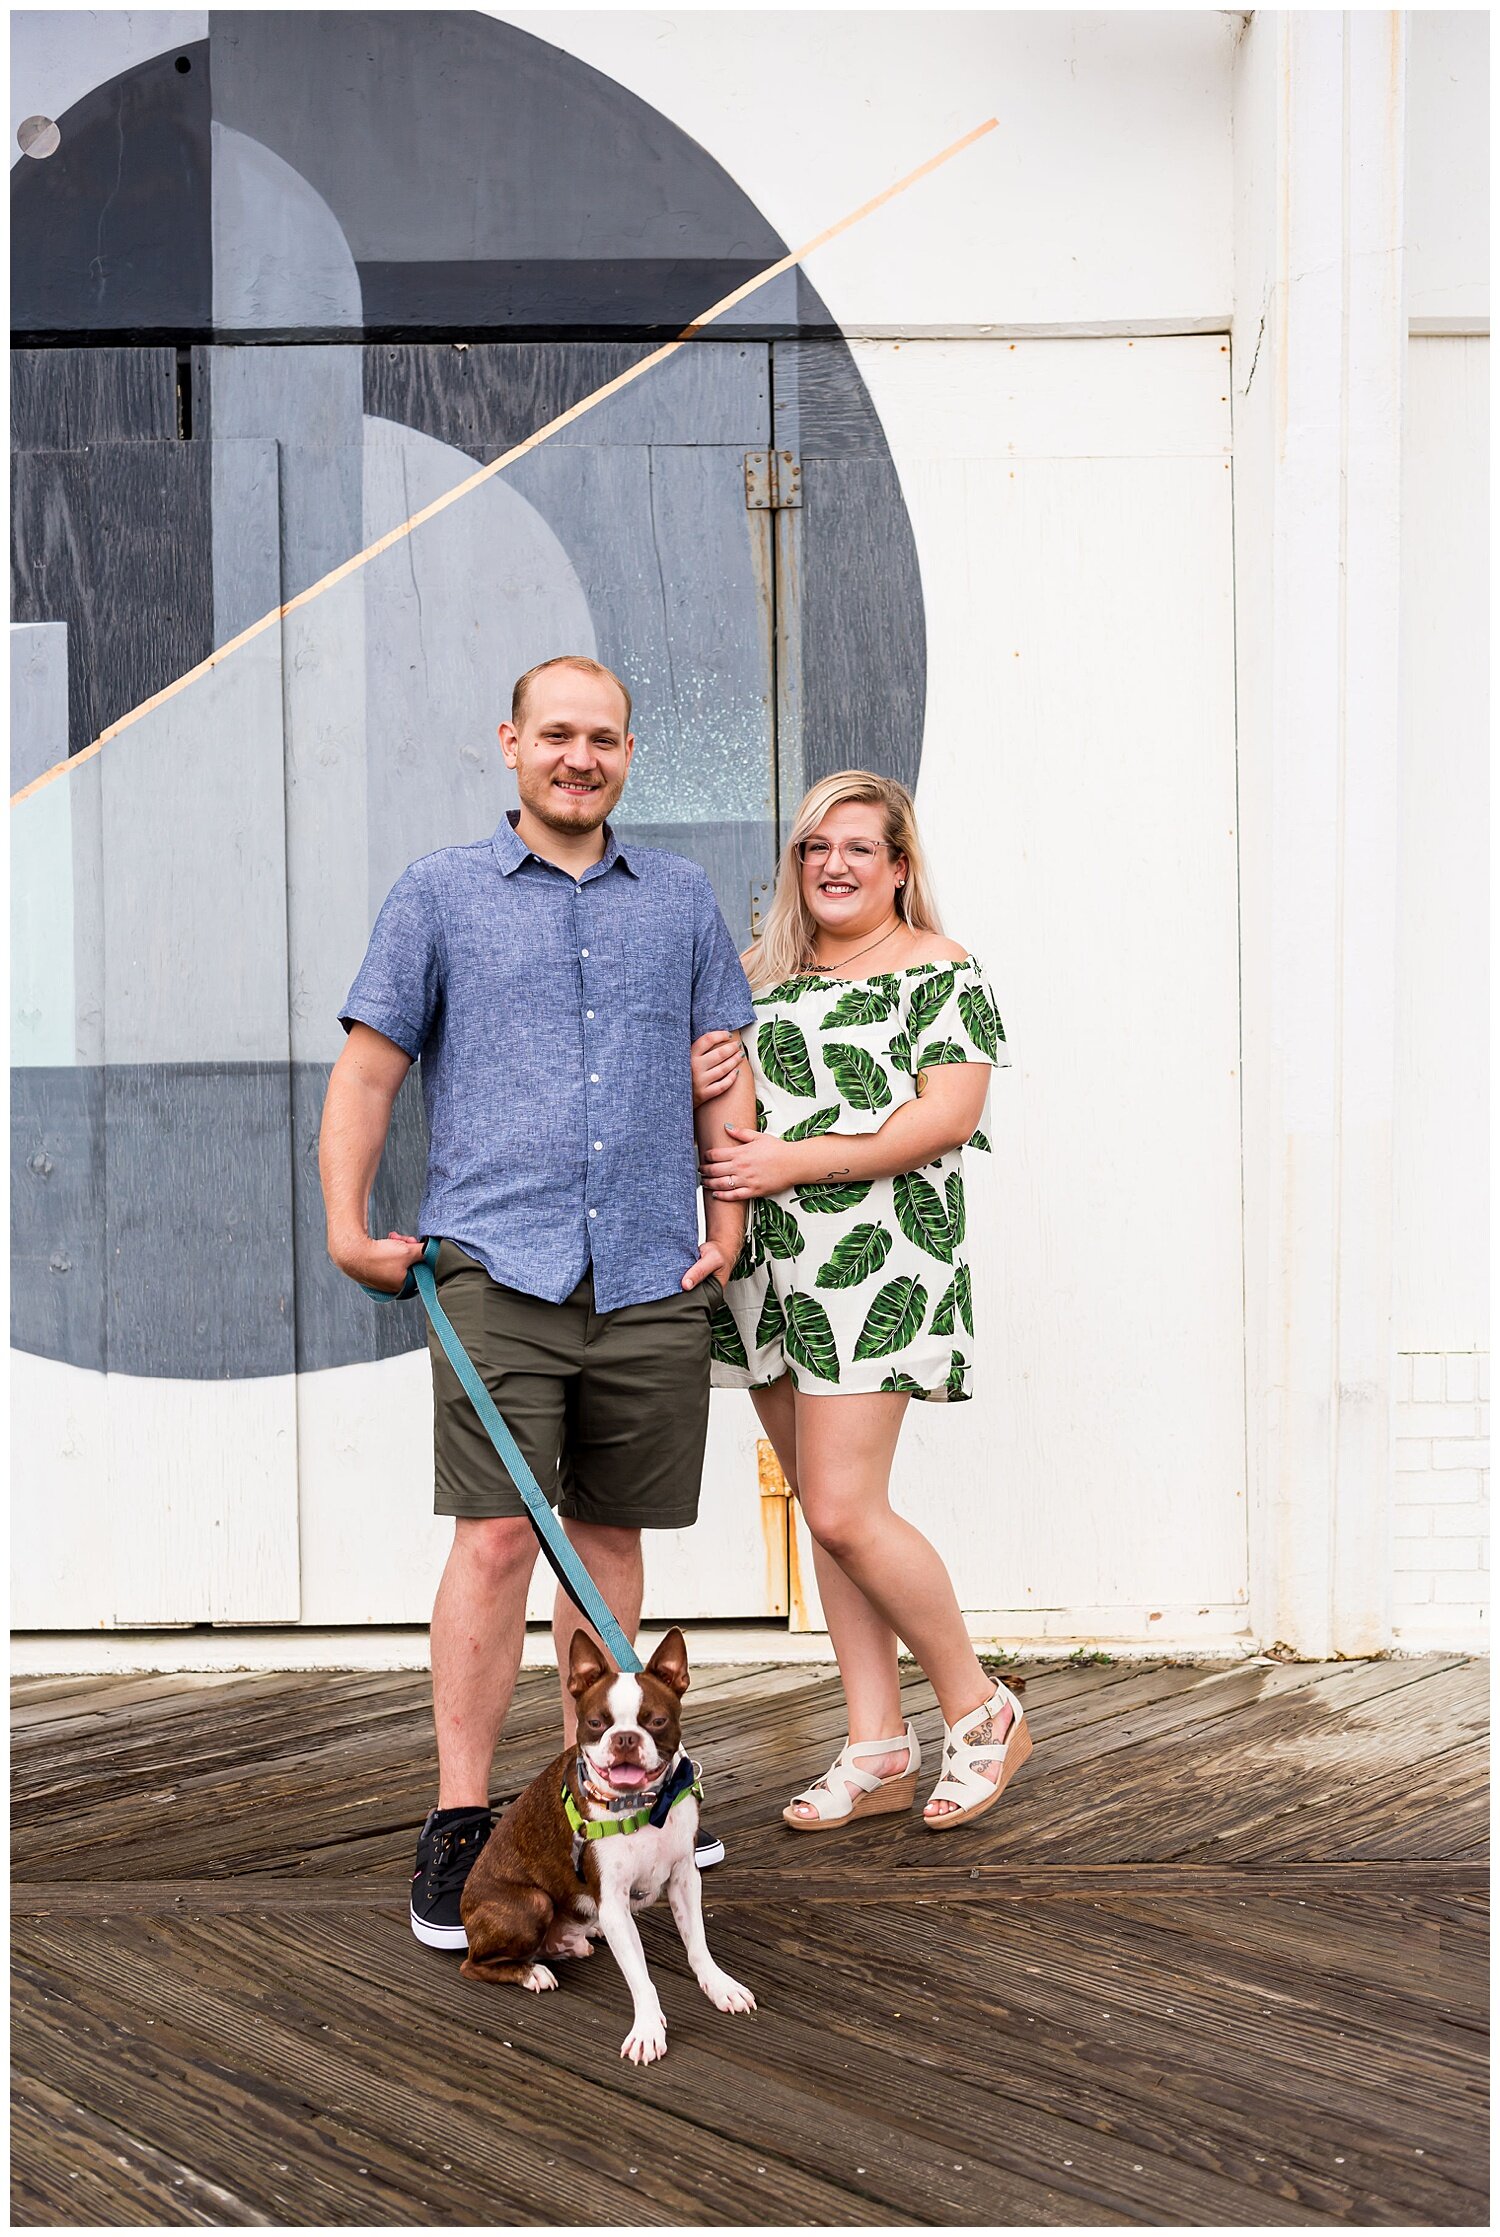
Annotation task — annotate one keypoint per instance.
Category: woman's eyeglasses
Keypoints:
(858, 851)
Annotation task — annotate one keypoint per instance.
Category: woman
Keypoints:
(850, 1299)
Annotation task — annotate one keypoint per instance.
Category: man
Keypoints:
(551, 982)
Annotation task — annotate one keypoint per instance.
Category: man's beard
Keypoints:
(589, 810)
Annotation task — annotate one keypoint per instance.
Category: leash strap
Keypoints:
(421, 1281)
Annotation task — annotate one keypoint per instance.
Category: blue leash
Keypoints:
(565, 1564)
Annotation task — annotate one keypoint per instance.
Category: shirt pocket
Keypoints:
(659, 977)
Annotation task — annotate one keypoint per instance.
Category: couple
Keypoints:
(577, 1007)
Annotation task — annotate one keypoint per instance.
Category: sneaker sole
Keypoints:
(438, 1937)
(711, 1854)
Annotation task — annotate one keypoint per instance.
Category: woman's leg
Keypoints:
(844, 1448)
(863, 1641)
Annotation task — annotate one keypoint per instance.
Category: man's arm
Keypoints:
(356, 1120)
(723, 1220)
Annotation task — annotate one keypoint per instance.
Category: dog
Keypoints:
(547, 1885)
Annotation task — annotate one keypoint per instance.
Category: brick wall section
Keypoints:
(1442, 1506)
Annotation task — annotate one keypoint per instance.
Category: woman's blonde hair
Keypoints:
(788, 944)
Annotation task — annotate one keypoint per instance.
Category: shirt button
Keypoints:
(598, 1145)
(583, 951)
(588, 1013)
(593, 1215)
(593, 1079)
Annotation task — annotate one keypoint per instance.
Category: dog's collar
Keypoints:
(686, 1777)
(619, 1804)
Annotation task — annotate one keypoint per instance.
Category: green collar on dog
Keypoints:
(686, 1779)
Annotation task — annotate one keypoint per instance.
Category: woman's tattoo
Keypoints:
(836, 1173)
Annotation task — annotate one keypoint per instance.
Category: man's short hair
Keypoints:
(524, 683)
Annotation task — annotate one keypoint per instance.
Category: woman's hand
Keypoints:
(715, 1060)
(751, 1164)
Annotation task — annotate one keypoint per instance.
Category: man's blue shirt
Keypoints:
(553, 1018)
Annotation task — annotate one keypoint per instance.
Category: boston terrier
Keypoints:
(595, 1839)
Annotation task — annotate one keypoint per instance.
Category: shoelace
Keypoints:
(450, 1863)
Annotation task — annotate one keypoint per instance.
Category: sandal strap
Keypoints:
(961, 1782)
(906, 1739)
(822, 1798)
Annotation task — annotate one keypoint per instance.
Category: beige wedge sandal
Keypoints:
(964, 1785)
(863, 1795)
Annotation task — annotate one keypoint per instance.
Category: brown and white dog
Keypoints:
(544, 1886)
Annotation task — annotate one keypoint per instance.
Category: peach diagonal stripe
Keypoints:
(574, 412)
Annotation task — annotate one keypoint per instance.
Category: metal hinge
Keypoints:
(773, 481)
(761, 890)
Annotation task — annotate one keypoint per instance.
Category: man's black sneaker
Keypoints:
(448, 1848)
(707, 1849)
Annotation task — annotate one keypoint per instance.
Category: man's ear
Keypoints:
(586, 1664)
(669, 1663)
(509, 744)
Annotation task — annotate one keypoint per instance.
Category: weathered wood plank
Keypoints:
(1279, 1886)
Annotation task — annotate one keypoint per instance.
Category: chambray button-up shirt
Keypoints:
(553, 1018)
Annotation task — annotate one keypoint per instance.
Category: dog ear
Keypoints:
(586, 1664)
(669, 1663)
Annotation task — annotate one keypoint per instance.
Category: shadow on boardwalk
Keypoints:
(1216, 1958)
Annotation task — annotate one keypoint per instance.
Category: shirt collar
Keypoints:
(511, 849)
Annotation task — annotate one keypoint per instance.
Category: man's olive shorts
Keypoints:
(610, 1409)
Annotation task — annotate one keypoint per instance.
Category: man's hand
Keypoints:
(380, 1265)
(710, 1260)
(715, 1060)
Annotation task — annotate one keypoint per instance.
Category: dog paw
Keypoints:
(646, 2041)
(540, 1977)
(727, 1994)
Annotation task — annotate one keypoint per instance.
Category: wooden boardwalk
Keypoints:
(1218, 1958)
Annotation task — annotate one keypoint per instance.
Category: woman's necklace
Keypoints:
(843, 959)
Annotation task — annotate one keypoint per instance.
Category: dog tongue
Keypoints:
(627, 1775)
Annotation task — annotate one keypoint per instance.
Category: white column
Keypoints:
(1319, 356)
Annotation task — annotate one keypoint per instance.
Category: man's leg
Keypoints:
(478, 1627)
(612, 1558)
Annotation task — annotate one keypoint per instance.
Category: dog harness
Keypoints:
(686, 1779)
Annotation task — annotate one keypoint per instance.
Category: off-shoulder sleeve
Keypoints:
(952, 1018)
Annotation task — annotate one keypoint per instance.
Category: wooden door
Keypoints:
(629, 538)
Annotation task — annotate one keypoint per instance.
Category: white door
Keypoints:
(1071, 502)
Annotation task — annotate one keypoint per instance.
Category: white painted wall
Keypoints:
(1447, 169)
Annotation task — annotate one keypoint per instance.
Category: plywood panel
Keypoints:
(61, 400)
(60, 1540)
(114, 541)
(200, 1340)
(202, 1490)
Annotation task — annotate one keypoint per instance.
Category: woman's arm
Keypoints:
(949, 1100)
(723, 1219)
(715, 1060)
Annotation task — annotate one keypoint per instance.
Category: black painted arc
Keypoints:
(114, 233)
(481, 299)
(440, 136)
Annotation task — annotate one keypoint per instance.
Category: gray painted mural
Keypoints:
(303, 322)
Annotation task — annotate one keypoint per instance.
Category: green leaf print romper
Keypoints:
(858, 1285)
